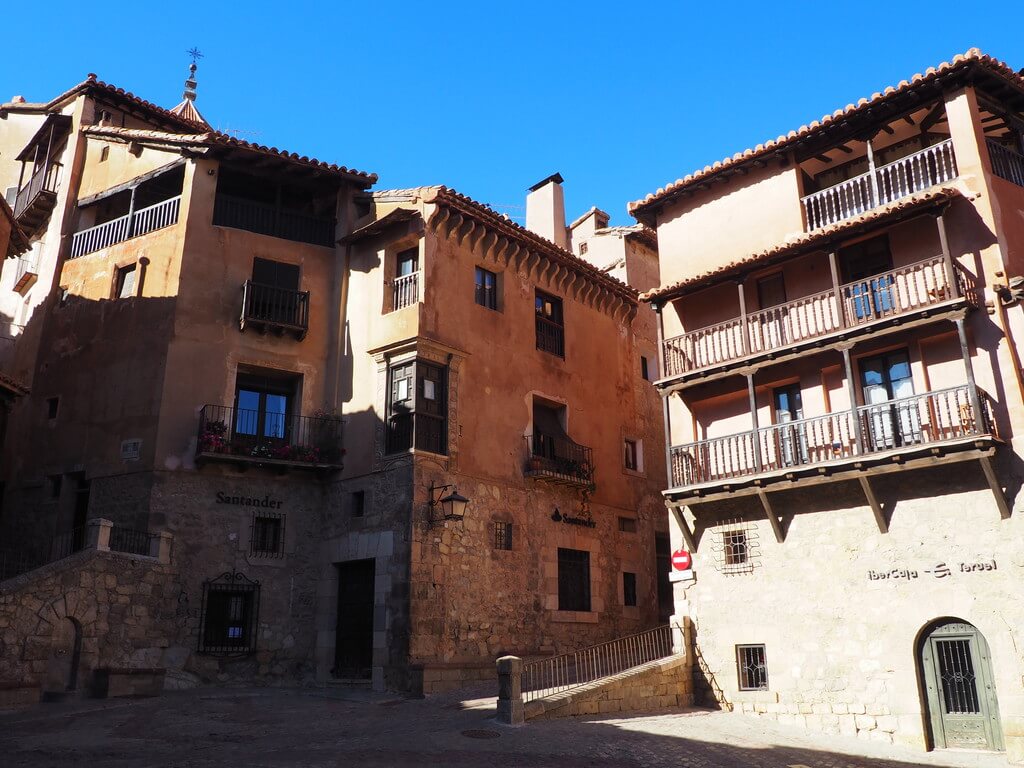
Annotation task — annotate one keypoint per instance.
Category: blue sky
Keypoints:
(621, 98)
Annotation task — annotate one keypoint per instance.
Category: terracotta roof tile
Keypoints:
(973, 57)
(807, 241)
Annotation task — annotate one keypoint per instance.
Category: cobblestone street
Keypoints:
(342, 727)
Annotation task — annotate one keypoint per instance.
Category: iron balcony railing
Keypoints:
(46, 178)
(14, 563)
(559, 459)
(861, 302)
(267, 437)
(405, 291)
(132, 541)
(917, 172)
(1006, 164)
(566, 671)
(931, 418)
(269, 305)
(550, 336)
(141, 222)
(267, 219)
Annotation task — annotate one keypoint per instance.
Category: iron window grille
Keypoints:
(486, 294)
(573, 580)
(503, 535)
(267, 534)
(627, 525)
(230, 615)
(736, 548)
(752, 667)
(629, 588)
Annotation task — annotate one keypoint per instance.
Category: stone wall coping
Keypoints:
(70, 562)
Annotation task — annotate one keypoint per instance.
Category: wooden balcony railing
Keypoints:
(46, 178)
(861, 302)
(1006, 164)
(927, 419)
(266, 219)
(263, 437)
(917, 172)
(141, 222)
(406, 291)
(550, 336)
(267, 306)
(560, 460)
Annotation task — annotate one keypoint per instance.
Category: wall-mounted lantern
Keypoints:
(442, 508)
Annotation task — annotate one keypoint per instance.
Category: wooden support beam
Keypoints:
(876, 508)
(684, 526)
(775, 523)
(997, 490)
(937, 113)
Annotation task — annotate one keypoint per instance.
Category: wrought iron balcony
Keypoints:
(35, 200)
(919, 424)
(559, 460)
(1006, 164)
(267, 307)
(886, 184)
(267, 438)
(914, 288)
(266, 219)
(140, 222)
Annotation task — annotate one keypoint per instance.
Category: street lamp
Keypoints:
(453, 505)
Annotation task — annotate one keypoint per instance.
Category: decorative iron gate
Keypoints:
(961, 695)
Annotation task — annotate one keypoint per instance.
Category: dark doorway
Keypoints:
(353, 649)
(62, 666)
(960, 694)
(663, 566)
(790, 431)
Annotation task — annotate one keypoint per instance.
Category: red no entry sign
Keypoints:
(681, 560)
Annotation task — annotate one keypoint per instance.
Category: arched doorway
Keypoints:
(960, 693)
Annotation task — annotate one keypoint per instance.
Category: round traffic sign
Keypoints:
(681, 560)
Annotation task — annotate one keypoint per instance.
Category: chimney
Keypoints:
(545, 210)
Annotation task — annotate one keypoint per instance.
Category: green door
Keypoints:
(961, 694)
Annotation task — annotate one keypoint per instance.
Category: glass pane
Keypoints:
(899, 369)
(428, 389)
(403, 389)
(871, 372)
(127, 283)
(248, 412)
(274, 418)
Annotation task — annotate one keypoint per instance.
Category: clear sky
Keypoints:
(488, 98)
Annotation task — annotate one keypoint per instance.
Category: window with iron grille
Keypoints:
(573, 580)
(486, 288)
(550, 324)
(736, 547)
(752, 667)
(737, 555)
(503, 535)
(230, 614)
(629, 588)
(418, 407)
(267, 534)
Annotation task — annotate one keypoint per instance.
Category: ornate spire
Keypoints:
(187, 108)
(190, 83)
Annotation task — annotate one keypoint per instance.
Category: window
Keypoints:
(11, 196)
(627, 524)
(486, 288)
(273, 296)
(629, 589)
(418, 408)
(583, 248)
(771, 291)
(550, 324)
(52, 406)
(631, 455)
(104, 153)
(736, 551)
(229, 615)
(503, 535)
(406, 283)
(866, 291)
(645, 368)
(124, 282)
(263, 412)
(267, 534)
(358, 503)
(573, 580)
(752, 667)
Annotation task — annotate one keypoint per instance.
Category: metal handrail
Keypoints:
(263, 436)
(561, 456)
(44, 179)
(566, 671)
(275, 306)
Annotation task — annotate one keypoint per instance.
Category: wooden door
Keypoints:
(959, 687)
(353, 650)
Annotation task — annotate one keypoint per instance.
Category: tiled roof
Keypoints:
(640, 231)
(216, 139)
(187, 109)
(973, 57)
(810, 240)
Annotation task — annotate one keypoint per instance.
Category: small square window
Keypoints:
(503, 535)
(229, 614)
(629, 589)
(52, 406)
(627, 524)
(403, 390)
(631, 455)
(645, 370)
(104, 153)
(358, 503)
(486, 291)
(267, 534)
(583, 248)
(752, 667)
(125, 282)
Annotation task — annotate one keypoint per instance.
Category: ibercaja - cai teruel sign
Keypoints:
(938, 571)
(248, 501)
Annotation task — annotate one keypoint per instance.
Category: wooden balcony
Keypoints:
(885, 184)
(266, 219)
(261, 438)
(405, 291)
(27, 273)
(1006, 164)
(889, 299)
(134, 224)
(35, 200)
(269, 308)
(883, 435)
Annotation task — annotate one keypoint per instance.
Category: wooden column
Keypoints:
(660, 329)
(130, 227)
(840, 305)
(947, 257)
(851, 389)
(969, 369)
(744, 334)
(753, 418)
(872, 175)
(665, 415)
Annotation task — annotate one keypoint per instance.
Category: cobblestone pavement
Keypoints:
(348, 727)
